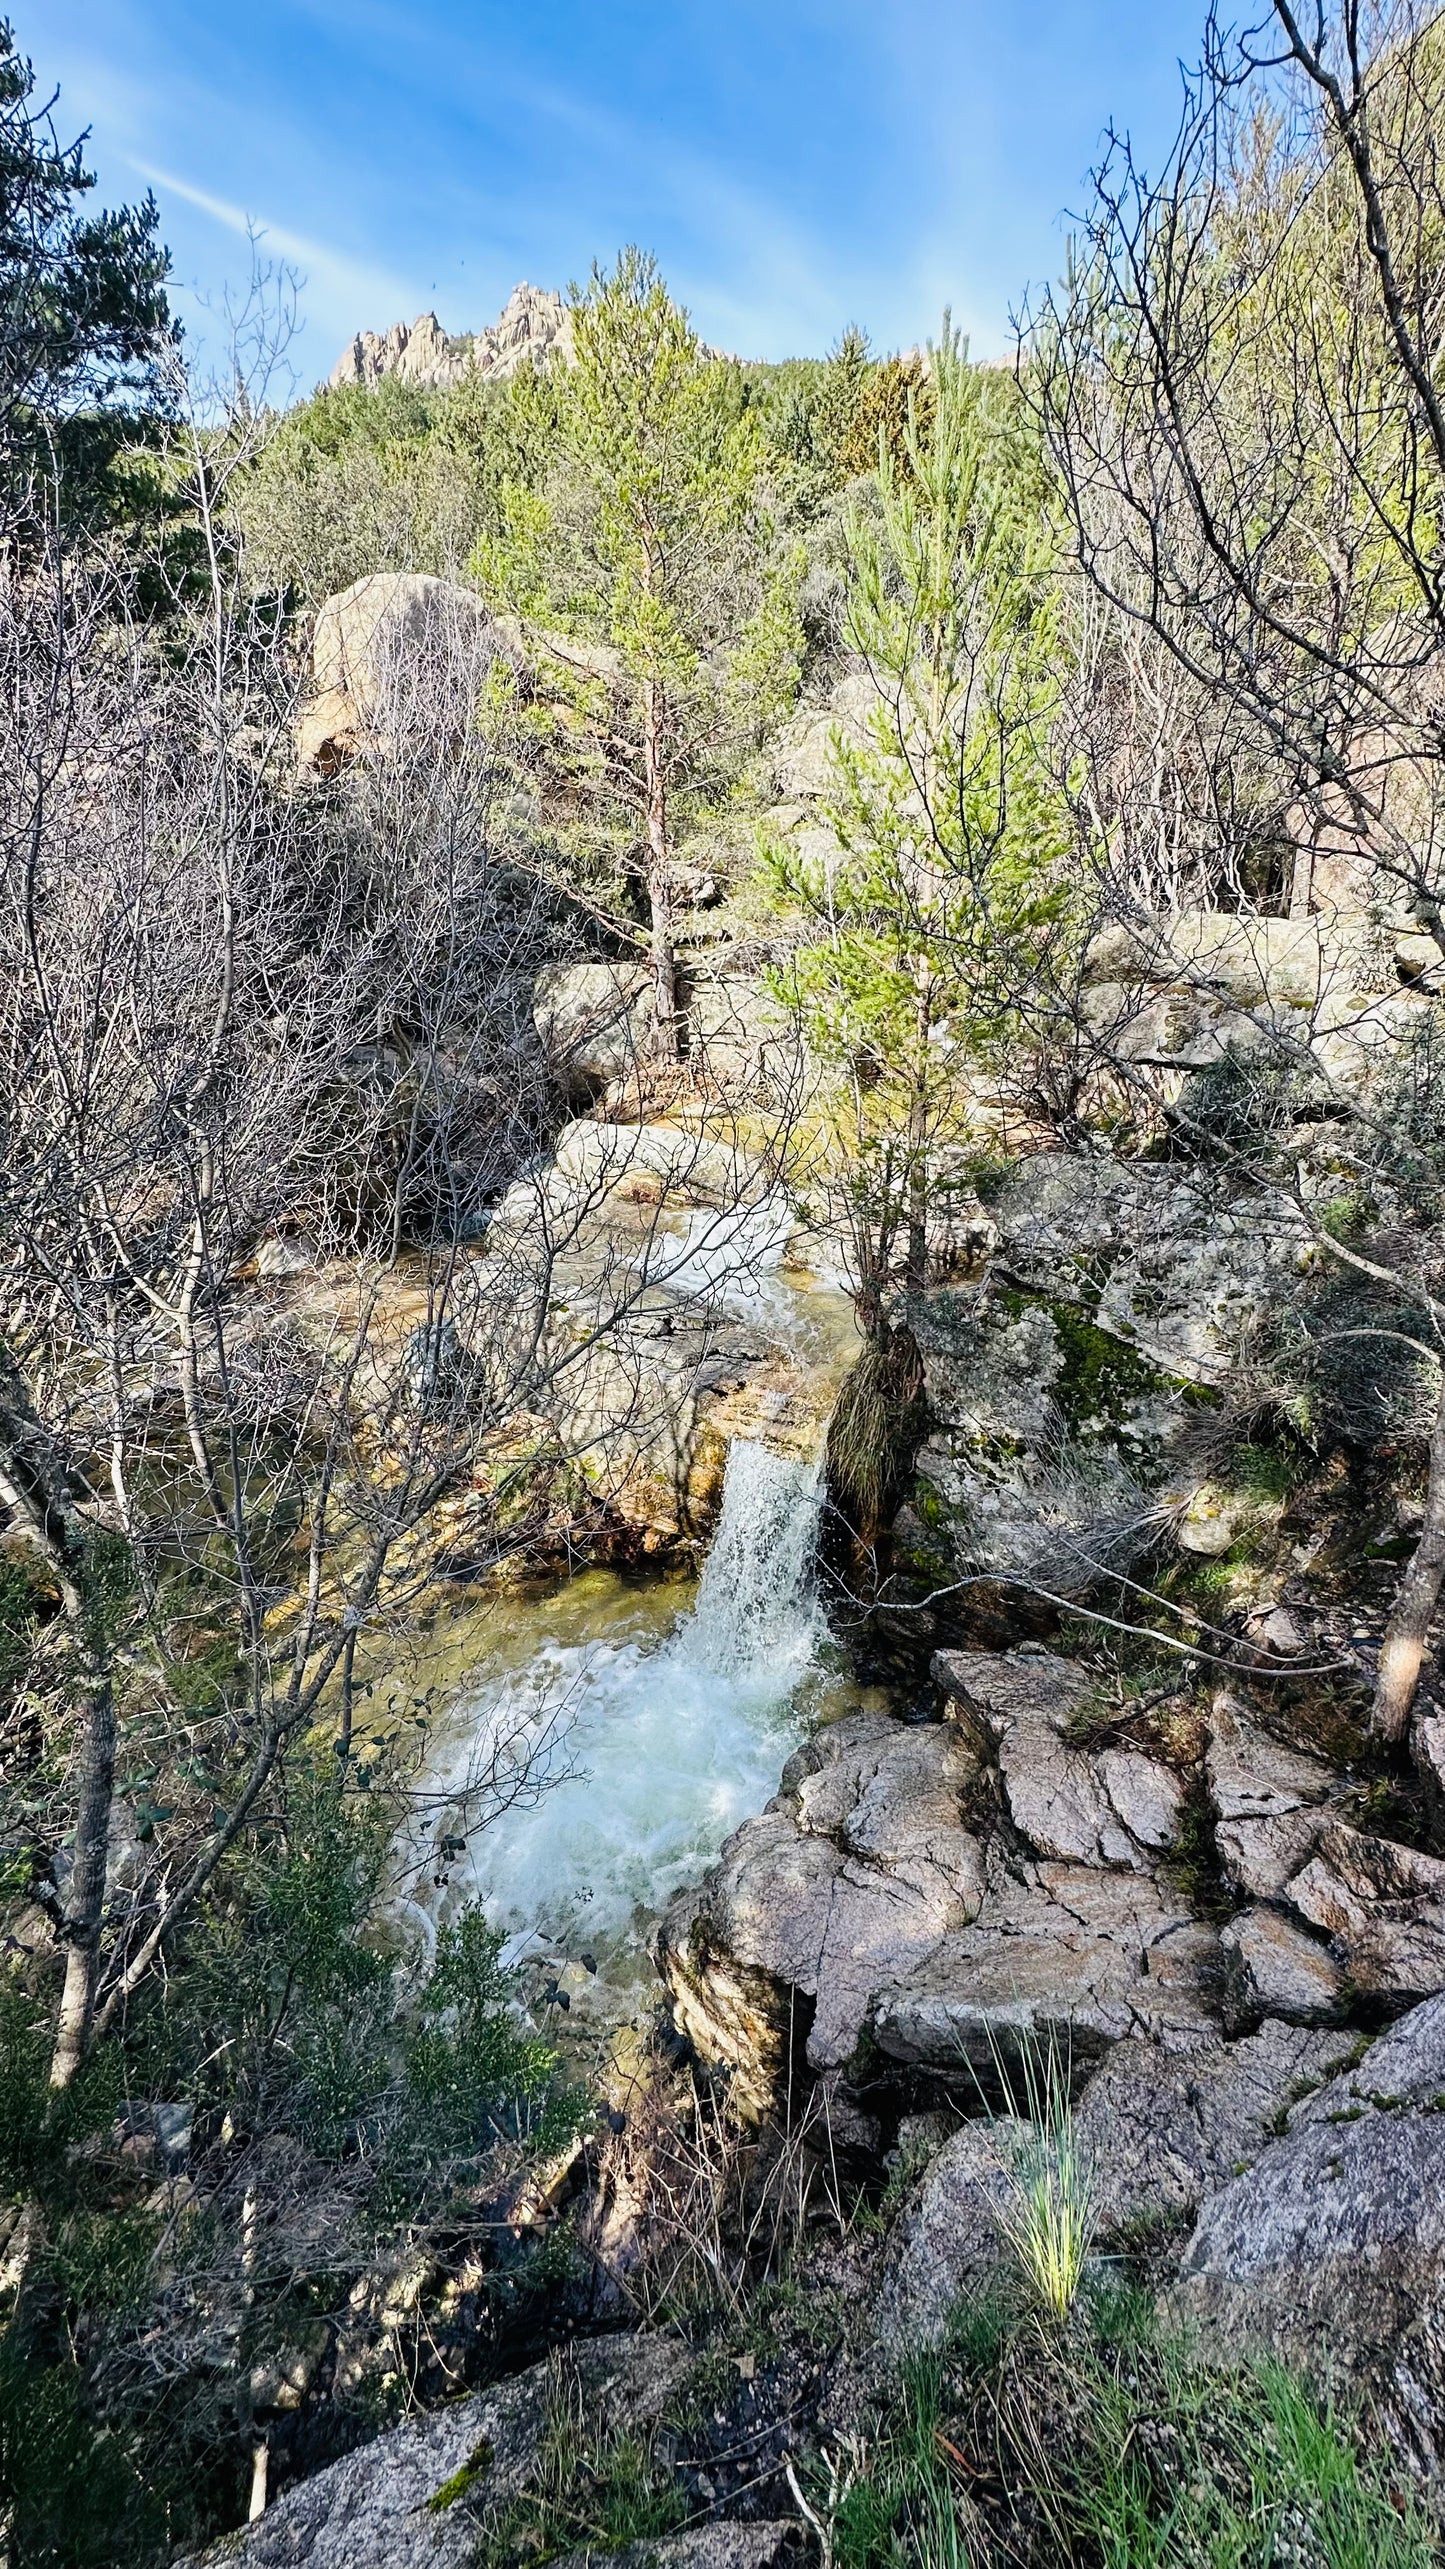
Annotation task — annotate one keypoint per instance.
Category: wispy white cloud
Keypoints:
(356, 286)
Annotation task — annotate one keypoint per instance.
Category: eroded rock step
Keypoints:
(934, 1893)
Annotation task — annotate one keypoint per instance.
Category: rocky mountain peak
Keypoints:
(532, 323)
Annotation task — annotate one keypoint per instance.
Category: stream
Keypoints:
(588, 1749)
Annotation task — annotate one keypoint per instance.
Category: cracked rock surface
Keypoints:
(946, 1888)
(1159, 2132)
(1330, 2250)
(376, 2508)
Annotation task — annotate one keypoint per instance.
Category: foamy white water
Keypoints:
(639, 1759)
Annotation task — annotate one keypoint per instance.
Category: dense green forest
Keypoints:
(944, 773)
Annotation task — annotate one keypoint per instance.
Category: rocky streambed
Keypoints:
(868, 1914)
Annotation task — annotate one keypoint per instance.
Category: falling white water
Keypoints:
(641, 1755)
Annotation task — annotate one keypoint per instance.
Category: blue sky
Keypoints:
(795, 164)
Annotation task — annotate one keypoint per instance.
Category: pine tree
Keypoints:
(651, 539)
(946, 826)
(84, 321)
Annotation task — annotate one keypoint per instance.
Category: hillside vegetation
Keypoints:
(986, 820)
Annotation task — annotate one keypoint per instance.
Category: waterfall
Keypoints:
(756, 1604)
(644, 1754)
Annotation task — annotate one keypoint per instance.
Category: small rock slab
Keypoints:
(1272, 1968)
(1330, 2251)
(373, 2510)
(1071, 1807)
(1384, 1907)
(1251, 1774)
(1073, 1958)
(1269, 1798)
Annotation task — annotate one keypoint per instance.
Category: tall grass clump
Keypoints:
(1048, 2214)
(874, 1431)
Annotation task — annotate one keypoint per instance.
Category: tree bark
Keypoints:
(916, 1265)
(659, 877)
(1407, 1631)
(86, 1902)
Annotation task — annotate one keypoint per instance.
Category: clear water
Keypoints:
(591, 1777)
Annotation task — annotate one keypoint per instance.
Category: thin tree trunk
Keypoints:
(1408, 1629)
(86, 1902)
(916, 1265)
(659, 878)
(348, 1700)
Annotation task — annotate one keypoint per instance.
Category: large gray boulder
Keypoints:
(1330, 2250)
(398, 653)
(595, 1022)
(420, 2497)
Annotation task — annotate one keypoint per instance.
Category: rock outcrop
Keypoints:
(1345, 1906)
(1330, 2250)
(953, 1899)
(862, 1864)
(533, 322)
(885, 1892)
(1159, 2132)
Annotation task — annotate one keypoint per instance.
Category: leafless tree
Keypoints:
(1240, 383)
(253, 1024)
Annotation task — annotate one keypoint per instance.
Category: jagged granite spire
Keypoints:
(532, 323)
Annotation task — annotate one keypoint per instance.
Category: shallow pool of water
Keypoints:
(607, 1740)
(587, 1751)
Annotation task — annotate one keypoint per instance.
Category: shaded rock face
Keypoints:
(1330, 2251)
(1185, 992)
(1184, 1270)
(532, 323)
(375, 2510)
(1345, 1905)
(1160, 2132)
(885, 1892)
(1272, 1969)
(1069, 1384)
